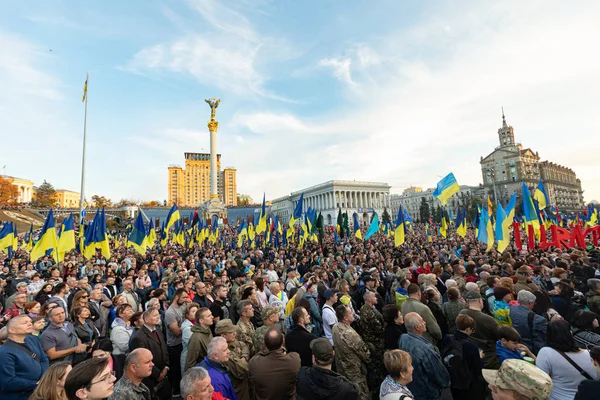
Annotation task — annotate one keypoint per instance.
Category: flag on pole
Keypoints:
(47, 240)
(357, 232)
(541, 196)
(374, 227)
(85, 88)
(446, 188)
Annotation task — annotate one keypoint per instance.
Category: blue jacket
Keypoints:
(19, 373)
(505, 354)
(430, 375)
(533, 340)
(219, 378)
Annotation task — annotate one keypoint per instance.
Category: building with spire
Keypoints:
(505, 168)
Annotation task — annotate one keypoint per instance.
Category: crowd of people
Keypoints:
(436, 318)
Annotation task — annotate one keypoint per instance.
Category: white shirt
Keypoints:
(273, 275)
(329, 319)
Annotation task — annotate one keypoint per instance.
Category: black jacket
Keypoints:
(145, 339)
(391, 335)
(298, 340)
(83, 334)
(588, 390)
(316, 383)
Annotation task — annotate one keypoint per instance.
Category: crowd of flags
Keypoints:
(303, 227)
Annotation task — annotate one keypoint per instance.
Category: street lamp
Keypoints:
(492, 175)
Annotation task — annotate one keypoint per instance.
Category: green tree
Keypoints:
(45, 196)
(9, 194)
(437, 214)
(124, 202)
(472, 210)
(424, 212)
(387, 219)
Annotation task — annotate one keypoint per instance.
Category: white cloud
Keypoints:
(341, 69)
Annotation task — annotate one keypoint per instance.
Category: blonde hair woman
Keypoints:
(398, 363)
(52, 384)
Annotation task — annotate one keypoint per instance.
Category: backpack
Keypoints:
(454, 361)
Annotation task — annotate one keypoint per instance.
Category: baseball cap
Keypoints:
(225, 326)
(472, 295)
(328, 294)
(322, 350)
(522, 377)
(269, 310)
(368, 278)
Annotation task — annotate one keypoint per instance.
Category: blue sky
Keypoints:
(395, 91)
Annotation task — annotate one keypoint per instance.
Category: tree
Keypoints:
(45, 195)
(437, 214)
(243, 201)
(9, 194)
(387, 219)
(151, 203)
(124, 203)
(101, 201)
(424, 210)
(472, 210)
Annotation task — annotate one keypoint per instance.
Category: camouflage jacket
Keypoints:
(245, 335)
(350, 351)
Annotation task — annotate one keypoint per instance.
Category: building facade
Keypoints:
(363, 198)
(67, 199)
(504, 170)
(412, 198)
(190, 186)
(24, 188)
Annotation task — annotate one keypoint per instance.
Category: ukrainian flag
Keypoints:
(541, 196)
(46, 241)
(400, 232)
(530, 215)
(15, 244)
(164, 235)
(137, 237)
(172, 216)
(6, 236)
(242, 233)
(510, 209)
(486, 232)
(297, 212)
(151, 235)
(102, 237)
(461, 222)
(444, 227)
(262, 220)
(357, 232)
(502, 228)
(28, 239)
(66, 242)
(446, 188)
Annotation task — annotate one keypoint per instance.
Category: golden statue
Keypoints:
(213, 103)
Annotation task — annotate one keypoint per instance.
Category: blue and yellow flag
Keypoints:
(446, 188)
(461, 222)
(66, 242)
(541, 196)
(486, 232)
(137, 237)
(357, 232)
(530, 215)
(444, 227)
(373, 228)
(164, 235)
(400, 231)
(242, 233)
(297, 212)
(150, 235)
(262, 219)
(85, 89)
(172, 217)
(502, 233)
(510, 209)
(46, 241)
(6, 236)
(28, 239)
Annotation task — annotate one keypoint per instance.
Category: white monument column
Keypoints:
(213, 126)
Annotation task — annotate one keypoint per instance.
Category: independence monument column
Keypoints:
(214, 206)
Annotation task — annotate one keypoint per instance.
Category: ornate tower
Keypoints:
(506, 134)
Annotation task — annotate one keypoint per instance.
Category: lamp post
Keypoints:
(492, 175)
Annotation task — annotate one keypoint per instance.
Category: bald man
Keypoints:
(138, 365)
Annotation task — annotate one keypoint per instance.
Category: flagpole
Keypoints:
(82, 195)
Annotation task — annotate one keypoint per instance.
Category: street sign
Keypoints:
(83, 213)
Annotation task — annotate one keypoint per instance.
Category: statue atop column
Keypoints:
(213, 103)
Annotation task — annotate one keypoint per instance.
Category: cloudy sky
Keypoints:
(391, 91)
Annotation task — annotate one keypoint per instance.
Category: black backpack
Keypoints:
(454, 361)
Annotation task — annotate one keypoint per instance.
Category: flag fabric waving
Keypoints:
(137, 237)
(446, 188)
(374, 227)
(47, 240)
(541, 196)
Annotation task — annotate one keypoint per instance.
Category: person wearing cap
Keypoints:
(274, 372)
(524, 274)
(329, 318)
(351, 352)
(518, 380)
(21, 287)
(486, 335)
(292, 280)
(413, 304)
(319, 382)
(237, 364)
(270, 317)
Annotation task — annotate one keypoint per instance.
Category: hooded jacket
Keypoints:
(197, 345)
(315, 383)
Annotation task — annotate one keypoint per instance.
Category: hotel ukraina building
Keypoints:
(503, 171)
(190, 186)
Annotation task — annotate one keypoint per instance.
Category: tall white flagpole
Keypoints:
(82, 195)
